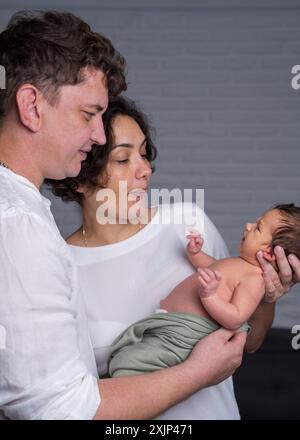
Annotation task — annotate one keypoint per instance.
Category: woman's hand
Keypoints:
(278, 284)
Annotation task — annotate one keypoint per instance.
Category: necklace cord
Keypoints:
(83, 231)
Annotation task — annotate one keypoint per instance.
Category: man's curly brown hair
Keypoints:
(50, 49)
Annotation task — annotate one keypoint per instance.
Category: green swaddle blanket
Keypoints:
(159, 341)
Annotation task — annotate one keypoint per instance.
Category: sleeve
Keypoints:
(42, 375)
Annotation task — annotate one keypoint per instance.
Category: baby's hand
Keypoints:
(209, 281)
(195, 243)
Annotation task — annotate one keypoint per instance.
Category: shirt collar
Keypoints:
(24, 181)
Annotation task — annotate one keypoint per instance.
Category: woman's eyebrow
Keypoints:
(128, 145)
(122, 145)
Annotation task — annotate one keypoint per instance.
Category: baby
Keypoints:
(223, 293)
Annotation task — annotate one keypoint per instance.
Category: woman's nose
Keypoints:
(143, 169)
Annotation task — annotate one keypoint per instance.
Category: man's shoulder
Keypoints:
(11, 201)
(15, 200)
(25, 216)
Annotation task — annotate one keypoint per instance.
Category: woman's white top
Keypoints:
(124, 282)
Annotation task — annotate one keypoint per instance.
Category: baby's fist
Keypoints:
(209, 281)
(195, 243)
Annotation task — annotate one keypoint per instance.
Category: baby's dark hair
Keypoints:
(288, 235)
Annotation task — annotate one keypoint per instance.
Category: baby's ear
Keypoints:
(269, 255)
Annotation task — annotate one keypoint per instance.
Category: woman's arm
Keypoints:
(260, 322)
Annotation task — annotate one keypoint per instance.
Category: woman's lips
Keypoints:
(137, 193)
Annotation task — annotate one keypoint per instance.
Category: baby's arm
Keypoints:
(246, 297)
(196, 256)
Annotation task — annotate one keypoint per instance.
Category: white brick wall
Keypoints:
(215, 81)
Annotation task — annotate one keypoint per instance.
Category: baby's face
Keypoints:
(258, 235)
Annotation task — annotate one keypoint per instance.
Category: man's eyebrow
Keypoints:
(96, 107)
(128, 145)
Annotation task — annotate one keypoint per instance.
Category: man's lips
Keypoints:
(84, 153)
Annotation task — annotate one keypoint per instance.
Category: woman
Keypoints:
(127, 267)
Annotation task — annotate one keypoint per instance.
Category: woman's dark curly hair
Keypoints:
(93, 168)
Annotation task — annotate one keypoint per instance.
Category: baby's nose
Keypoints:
(248, 226)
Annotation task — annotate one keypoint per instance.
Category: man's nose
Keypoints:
(98, 133)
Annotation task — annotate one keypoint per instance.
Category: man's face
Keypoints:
(73, 125)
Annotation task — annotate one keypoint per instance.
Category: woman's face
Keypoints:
(128, 171)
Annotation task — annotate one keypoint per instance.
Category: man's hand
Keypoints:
(209, 281)
(145, 396)
(219, 355)
(195, 243)
(278, 284)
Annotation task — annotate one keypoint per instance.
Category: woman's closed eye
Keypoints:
(123, 161)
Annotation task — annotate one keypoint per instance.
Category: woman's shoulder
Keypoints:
(187, 214)
(181, 207)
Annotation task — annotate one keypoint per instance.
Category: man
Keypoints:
(59, 75)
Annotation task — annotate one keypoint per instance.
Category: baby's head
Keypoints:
(280, 226)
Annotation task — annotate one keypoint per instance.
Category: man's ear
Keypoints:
(28, 99)
(269, 255)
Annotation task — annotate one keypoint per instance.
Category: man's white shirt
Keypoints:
(47, 365)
